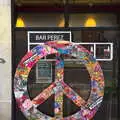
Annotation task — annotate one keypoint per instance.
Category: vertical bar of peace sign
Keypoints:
(58, 87)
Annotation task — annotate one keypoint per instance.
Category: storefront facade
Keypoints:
(95, 25)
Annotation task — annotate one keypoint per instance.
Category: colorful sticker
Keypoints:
(59, 87)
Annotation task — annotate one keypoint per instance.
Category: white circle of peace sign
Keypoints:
(58, 87)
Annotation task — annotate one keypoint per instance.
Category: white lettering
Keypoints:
(40, 37)
(49, 37)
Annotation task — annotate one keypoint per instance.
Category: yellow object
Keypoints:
(62, 23)
(20, 22)
(90, 22)
(62, 42)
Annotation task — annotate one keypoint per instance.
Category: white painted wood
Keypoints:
(5, 2)
(5, 53)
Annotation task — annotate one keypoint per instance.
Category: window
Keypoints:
(100, 20)
(43, 19)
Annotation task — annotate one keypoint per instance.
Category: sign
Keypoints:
(101, 51)
(43, 72)
(40, 37)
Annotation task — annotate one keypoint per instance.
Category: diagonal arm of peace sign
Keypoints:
(58, 87)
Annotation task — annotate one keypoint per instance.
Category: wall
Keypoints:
(76, 20)
(102, 20)
(5, 52)
(42, 20)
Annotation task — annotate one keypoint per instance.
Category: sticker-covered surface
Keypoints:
(59, 87)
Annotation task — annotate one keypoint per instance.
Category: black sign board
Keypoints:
(39, 37)
(44, 36)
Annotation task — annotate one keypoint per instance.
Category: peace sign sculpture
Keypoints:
(58, 87)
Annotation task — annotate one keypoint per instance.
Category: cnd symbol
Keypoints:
(59, 88)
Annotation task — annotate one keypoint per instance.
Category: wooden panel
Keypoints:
(94, 1)
(51, 2)
(5, 2)
(92, 36)
(39, 2)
